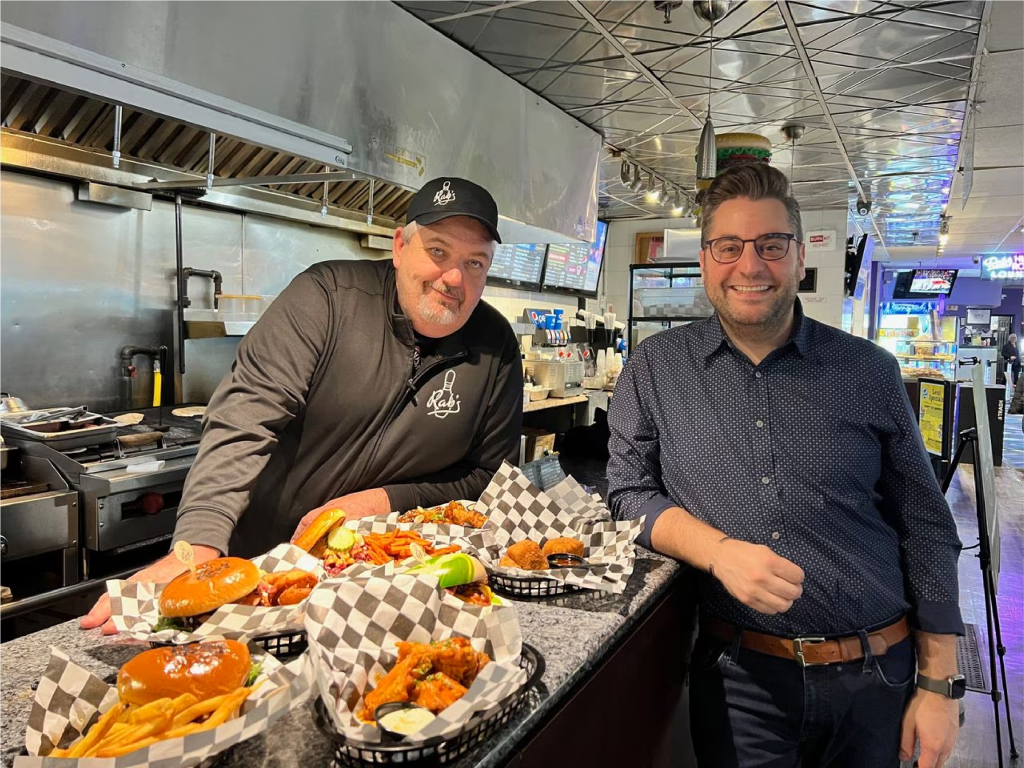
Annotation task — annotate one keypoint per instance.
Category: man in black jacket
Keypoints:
(370, 386)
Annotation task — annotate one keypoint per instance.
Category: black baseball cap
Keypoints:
(449, 196)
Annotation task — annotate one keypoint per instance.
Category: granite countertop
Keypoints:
(573, 633)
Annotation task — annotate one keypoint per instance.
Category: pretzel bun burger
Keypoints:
(203, 669)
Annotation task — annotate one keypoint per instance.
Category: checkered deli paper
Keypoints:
(354, 623)
(70, 698)
(134, 606)
(520, 510)
(442, 534)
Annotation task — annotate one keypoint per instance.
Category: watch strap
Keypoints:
(943, 687)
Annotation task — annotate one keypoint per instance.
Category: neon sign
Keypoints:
(1005, 266)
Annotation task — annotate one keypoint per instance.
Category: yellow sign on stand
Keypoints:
(932, 407)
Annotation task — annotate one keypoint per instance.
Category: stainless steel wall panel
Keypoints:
(275, 252)
(79, 281)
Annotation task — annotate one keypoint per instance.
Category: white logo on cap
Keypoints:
(445, 195)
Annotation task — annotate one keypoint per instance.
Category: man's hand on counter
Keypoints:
(374, 501)
(160, 572)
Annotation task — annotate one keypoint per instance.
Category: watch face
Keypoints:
(957, 686)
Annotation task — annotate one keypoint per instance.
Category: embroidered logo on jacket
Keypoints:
(445, 195)
(443, 402)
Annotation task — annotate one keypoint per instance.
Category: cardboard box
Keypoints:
(539, 442)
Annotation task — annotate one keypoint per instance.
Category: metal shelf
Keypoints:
(216, 329)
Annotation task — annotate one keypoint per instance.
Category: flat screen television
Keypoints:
(575, 267)
(856, 259)
(924, 283)
(933, 282)
(517, 266)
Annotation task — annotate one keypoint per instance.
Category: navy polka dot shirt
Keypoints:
(815, 452)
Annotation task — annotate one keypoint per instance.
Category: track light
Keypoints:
(677, 204)
(637, 181)
(624, 173)
(653, 193)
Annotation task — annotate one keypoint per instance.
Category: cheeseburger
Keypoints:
(188, 599)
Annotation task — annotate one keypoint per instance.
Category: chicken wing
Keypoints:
(437, 692)
(397, 684)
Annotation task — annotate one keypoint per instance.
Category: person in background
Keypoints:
(1011, 359)
(372, 386)
(780, 457)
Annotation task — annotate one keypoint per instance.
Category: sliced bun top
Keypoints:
(213, 584)
(203, 669)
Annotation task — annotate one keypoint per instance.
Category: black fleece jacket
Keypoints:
(322, 401)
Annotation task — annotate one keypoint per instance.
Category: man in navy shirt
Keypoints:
(781, 457)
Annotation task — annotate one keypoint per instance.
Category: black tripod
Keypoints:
(995, 637)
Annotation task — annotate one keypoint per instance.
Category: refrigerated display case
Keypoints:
(664, 296)
(925, 344)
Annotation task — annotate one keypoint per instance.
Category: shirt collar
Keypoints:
(713, 337)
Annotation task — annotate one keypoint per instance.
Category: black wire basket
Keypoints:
(528, 587)
(349, 753)
(281, 645)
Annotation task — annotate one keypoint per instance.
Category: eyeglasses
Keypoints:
(770, 247)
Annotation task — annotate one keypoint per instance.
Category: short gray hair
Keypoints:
(756, 181)
(409, 231)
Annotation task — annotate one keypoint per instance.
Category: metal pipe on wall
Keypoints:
(179, 271)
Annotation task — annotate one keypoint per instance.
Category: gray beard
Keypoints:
(436, 312)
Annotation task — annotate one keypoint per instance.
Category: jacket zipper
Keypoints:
(410, 388)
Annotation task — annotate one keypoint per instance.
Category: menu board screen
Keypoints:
(518, 265)
(576, 267)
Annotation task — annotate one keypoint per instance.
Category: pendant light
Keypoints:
(707, 151)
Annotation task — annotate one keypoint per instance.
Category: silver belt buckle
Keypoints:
(798, 647)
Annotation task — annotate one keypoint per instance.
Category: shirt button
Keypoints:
(759, 423)
(766, 480)
(776, 535)
(757, 374)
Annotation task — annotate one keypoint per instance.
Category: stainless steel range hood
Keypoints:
(359, 85)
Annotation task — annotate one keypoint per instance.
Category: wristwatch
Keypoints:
(953, 687)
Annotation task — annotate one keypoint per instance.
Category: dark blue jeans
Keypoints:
(752, 710)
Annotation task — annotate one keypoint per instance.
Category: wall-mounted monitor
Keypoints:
(857, 260)
(979, 316)
(924, 283)
(517, 266)
(933, 282)
(575, 267)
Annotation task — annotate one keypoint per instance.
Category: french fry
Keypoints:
(198, 710)
(124, 749)
(182, 703)
(145, 712)
(97, 732)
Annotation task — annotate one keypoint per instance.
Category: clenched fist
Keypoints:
(757, 577)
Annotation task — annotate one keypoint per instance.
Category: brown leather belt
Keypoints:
(809, 650)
